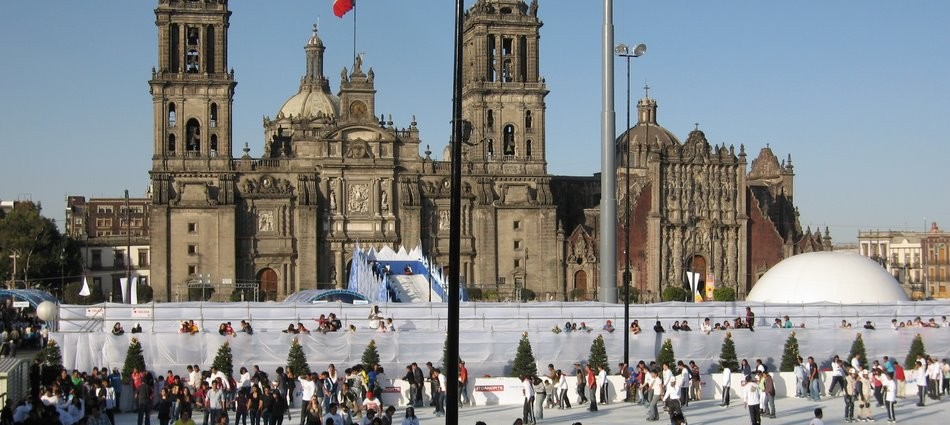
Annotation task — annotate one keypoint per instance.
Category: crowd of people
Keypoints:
(20, 329)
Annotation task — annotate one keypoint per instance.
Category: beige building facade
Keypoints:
(334, 172)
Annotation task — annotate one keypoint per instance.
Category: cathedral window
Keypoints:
(193, 136)
(522, 58)
(492, 53)
(506, 50)
(172, 115)
(527, 120)
(527, 149)
(491, 148)
(214, 115)
(490, 120)
(214, 145)
(516, 225)
(509, 140)
(209, 49)
(171, 143)
(173, 47)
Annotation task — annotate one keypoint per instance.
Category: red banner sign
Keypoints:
(490, 388)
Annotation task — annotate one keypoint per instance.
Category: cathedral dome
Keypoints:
(647, 131)
(310, 102)
(836, 277)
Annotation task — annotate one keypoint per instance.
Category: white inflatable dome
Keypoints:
(836, 277)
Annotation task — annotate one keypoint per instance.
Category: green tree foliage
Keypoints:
(474, 294)
(857, 347)
(666, 355)
(71, 294)
(724, 293)
(789, 354)
(727, 357)
(43, 254)
(524, 364)
(200, 294)
(51, 362)
(528, 294)
(133, 359)
(297, 359)
(370, 355)
(598, 354)
(224, 361)
(143, 292)
(916, 349)
(674, 293)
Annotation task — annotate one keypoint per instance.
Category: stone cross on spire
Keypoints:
(646, 90)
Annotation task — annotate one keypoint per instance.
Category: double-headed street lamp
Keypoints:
(626, 52)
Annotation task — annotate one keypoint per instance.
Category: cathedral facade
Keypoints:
(335, 173)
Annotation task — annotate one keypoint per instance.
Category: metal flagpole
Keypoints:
(354, 31)
(455, 230)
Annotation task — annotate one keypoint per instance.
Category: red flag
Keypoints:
(340, 7)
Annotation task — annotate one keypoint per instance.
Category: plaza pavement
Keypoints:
(791, 411)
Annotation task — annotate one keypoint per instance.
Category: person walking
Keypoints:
(540, 395)
(564, 402)
(768, 392)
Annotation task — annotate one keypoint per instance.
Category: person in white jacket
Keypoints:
(753, 397)
(726, 382)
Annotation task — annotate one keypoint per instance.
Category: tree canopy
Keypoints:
(43, 254)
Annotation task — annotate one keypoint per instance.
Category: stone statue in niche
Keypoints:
(265, 222)
(333, 274)
(332, 200)
(384, 201)
(443, 220)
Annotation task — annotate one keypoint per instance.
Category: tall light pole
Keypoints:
(607, 283)
(128, 246)
(455, 226)
(625, 52)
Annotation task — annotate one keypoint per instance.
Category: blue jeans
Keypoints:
(815, 389)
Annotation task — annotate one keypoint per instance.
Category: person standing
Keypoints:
(581, 384)
(439, 391)
(540, 394)
(419, 382)
(726, 382)
(143, 400)
(214, 400)
(463, 384)
(655, 391)
(862, 390)
(695, 387)
(920, 375)
(849, 386)
(592, 388)
(768, 394)
(801, 379)
(890, 397)
(671, 397)
(814, 379)
(750, 319)
(602, 379)
(527, 392)
(753, 398)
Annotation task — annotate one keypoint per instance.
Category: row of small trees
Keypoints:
(51, 359)
(524, 363)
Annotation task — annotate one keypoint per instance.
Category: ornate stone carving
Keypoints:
(443, 220)
(358, 198)
(266, 187)
(265, 221)
(358, 149)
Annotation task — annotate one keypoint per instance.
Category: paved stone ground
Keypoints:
(790, 412)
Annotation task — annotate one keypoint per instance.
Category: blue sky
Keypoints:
(856, 92)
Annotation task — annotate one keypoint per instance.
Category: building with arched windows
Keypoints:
(336, 172)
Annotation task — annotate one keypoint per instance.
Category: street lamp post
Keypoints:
(626, 52)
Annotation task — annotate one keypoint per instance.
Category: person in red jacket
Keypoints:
(592, 388)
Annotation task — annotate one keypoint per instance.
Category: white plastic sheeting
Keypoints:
(490, 333)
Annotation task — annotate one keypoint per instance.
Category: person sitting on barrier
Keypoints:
(246, 327)
(137, 329)
(567, 327)
(221, 330)
(706, 327)
(635, 327)
(684, 326)
(676, 326)
(389, 325)
(584, 327)
(291, 329)
(301, 329)
(777, 323)
(658, 327)
(609, 326)
(333, 323)
(788, 323)
(726, 325)
(868, 325)
(117, 329)
(192, 327)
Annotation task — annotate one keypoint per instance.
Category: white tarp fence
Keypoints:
(490, 333)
